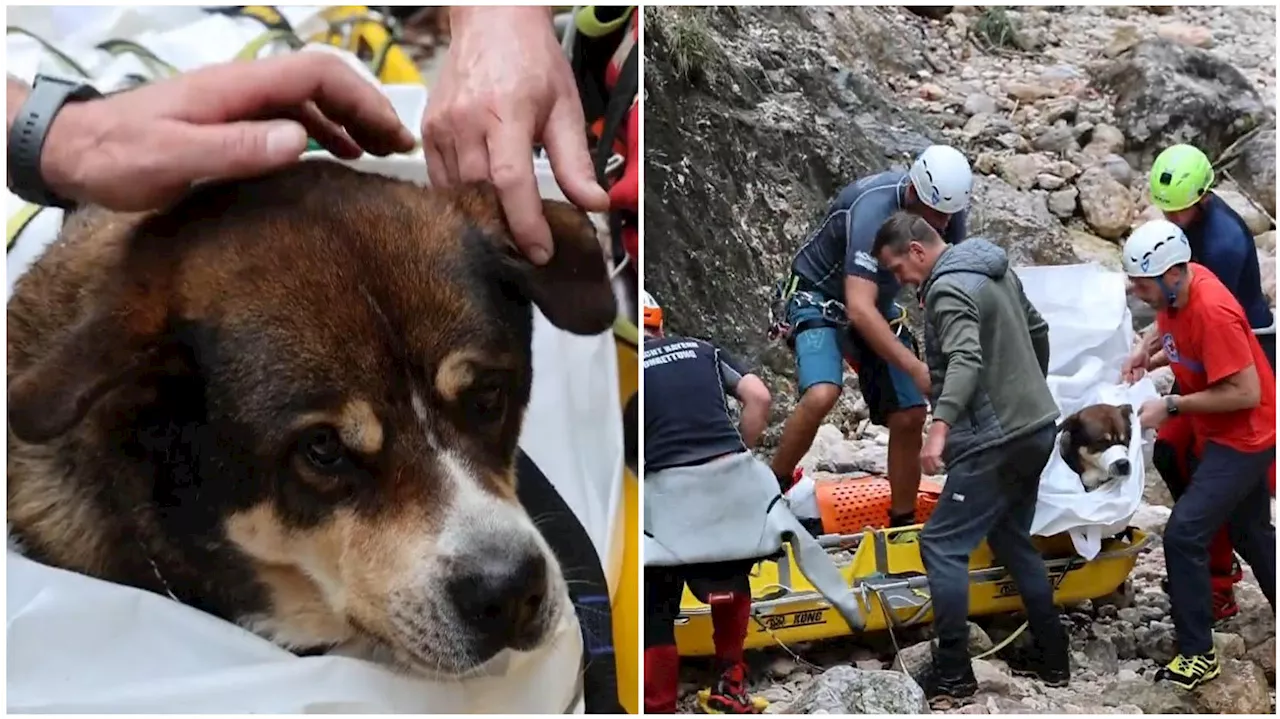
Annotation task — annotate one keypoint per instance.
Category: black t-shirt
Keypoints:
(686, 412)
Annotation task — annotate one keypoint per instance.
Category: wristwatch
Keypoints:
(1170, 406)
(27, 135)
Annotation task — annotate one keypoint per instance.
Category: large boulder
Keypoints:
(846, 690)
(756, 118)
(1240, 689)
(1253, 167)
(1166, 93)
(1020, 222)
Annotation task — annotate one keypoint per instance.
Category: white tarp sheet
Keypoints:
(1090, 333)
(76, 644)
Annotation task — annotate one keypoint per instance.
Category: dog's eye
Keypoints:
(324, 449)
(486, 399)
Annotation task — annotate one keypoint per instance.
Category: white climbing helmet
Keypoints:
(1153, 248)
(943, 179)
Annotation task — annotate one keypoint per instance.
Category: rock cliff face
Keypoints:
(756, 117)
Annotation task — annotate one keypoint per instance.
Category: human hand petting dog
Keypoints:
(504, 85)
(143, 148)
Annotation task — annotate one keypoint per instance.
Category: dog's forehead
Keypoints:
(1101, 422)
(349, 292)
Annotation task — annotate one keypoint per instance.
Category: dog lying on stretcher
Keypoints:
(294, 402)
(1094, 442)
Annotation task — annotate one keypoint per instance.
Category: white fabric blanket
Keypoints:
(1090, 333)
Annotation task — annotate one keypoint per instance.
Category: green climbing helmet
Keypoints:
(1180, 177)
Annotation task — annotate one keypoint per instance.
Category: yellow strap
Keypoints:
(591, 26)
(791, 287)
(19, 222)
(349, 26)
(250, 51)
(63, 57)
(265, 14)
(626, 330)
(120, 47)
(901, 319)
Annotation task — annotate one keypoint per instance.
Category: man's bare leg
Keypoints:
(905, 427)
(802, 426)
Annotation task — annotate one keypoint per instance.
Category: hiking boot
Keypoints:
(1191, 672)
(902, 520)
(729, 695)
(940, 684)
(1033, 662)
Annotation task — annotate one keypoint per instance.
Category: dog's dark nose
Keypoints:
(501, 599)
(1120, 467)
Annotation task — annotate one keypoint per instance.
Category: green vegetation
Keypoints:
(686, 35)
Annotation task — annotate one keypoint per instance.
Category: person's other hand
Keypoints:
(920, 375)
(143, 148)
(1153, 413)
(931, 452)
(1135, 366)
(504, 85)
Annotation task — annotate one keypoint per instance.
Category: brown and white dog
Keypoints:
(294, 402)
(1094, 442)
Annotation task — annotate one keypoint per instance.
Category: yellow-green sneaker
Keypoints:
(1191, 672)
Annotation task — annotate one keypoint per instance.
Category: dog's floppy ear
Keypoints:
(108, 346)
(1126, 425)
(573, 289)
(1070, 424)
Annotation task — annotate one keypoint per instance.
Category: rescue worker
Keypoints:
(839, 304)
(1220, 241)
(687, 423)
(993, 430)
(1227, 391)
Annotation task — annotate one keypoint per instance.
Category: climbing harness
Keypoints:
(832, 312)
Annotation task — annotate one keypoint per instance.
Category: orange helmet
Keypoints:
(652, 312)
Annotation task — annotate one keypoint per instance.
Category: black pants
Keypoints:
(1228, 486)
(664, 586)
(992, 495)
(1268, 343)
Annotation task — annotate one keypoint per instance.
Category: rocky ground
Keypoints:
(1075, 109)
(756, 117)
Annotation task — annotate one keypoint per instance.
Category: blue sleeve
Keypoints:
(1225, 254)
(957, 228)
(860, 236)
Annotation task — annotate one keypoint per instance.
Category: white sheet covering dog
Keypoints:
(1090, 333)
(77, 644)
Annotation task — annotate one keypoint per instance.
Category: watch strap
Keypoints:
(31, 127)
(1170, 405)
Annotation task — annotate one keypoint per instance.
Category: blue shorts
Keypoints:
(820, 357)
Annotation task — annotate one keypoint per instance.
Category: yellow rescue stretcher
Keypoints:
(885, 570)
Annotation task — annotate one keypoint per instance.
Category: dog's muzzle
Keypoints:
(1116, 460)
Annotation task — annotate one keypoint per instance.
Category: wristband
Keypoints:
(30, 128)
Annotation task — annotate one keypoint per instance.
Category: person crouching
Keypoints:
(688, 427)
(987, 349)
